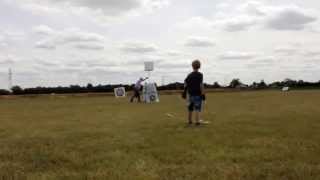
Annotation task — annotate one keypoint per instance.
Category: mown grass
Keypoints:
(252, 135)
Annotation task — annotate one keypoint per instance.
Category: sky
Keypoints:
(63, 42)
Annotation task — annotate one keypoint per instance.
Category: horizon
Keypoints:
(62, 43)
(167, 84)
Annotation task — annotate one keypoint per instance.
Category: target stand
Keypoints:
(150, 93)
(120, 92)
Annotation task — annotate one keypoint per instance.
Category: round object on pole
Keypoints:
(149, 66)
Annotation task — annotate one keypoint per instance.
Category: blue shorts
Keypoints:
(195, 103)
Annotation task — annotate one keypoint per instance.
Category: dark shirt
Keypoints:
(193, 83)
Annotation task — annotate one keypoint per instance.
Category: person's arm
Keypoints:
(201, 85)
(145, 78)
(202, 88)
(203, 95)
(185, 88)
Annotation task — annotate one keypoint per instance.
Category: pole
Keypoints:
(149, 74)
(10, 79)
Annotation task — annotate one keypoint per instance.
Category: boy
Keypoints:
(195, 89)
(136, 89)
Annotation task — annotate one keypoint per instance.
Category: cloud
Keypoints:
(199, 42)
(98, 63)
(259, 14)
(3, 42)
(101, 10)
(1, 38)
(138, 47)
(254, 8)
(231, 55)
(237, 23)
(75, 35)
(110, 7)
(48, 44)
(44, 30)
(14, 34)
(8, 36)
(7, 60)
(83, 50)
(290, 18)
(54, 38)
(68, 70)
(174, 53)
(199, 22)
(89, 46)
(287, 50)
(262, 62)
(310, 53)
(170, 64)
(138, 61)
(46, 63)
(241, 18)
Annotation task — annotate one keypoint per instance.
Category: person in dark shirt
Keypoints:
(137, 88)
(194, 91)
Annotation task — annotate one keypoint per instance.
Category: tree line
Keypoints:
(89, 88)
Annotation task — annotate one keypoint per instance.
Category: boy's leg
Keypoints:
(190, 117)
(132, 98)
(190, 111)
(134, 95)
(138, 96)
(198, 108)
(197, 117)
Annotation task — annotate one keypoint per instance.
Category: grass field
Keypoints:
(252, 135)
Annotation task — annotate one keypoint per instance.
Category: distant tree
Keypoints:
(216, 85)
(235, 83)
(172, 86)
(289, 82)
(262, 85)
(276, 84)
(17, 90)
(254, 85)
(89, 86)
(75, 89)
(4, 92)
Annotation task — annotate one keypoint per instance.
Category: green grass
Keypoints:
(252, 135)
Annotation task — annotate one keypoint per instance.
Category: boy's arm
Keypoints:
(202, 85)
(184, 94)
(203, 94)
(202, 88)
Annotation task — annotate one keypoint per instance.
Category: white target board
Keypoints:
(148, 66)
(285, 89)
(120, 92)
(150, 93)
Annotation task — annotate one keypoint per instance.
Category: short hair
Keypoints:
(196, 64)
